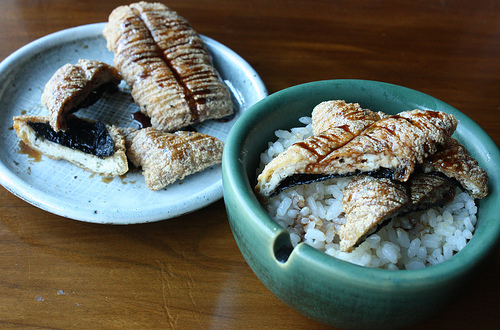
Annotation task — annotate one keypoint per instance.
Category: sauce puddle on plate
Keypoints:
(32, 154)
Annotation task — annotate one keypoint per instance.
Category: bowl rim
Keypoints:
(235, 178)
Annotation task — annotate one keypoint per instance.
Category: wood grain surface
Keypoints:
(187, 272)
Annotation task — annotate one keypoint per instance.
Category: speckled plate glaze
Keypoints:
(66, 190)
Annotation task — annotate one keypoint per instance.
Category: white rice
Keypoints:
(312, 214)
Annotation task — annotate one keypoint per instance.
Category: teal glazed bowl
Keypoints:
(319, 286)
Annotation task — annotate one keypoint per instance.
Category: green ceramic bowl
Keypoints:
(321, 287)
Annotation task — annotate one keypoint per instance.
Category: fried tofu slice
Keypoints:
(168, 157)
(334, 124)
(92, 146)
(391, 147)
(454, 161)
(166, 65)
(367, 203)
(76, 86)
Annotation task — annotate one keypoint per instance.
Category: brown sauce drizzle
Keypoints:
(346, 128)
(107, 179)
(188, 93)
(316, 144)
(142, 119)
(24, 149)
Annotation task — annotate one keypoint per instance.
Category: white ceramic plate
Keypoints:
(66, 190)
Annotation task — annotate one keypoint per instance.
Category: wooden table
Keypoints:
(187, 272)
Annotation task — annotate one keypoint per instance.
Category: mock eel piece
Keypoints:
(93, 146)
(389, 147)
(168, 157)
(369, 202)
(433, 184)
(166, 65)
(334, 124)
(393, 145)
(76, 86)
(454, 161)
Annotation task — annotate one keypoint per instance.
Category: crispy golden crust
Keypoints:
(76, 86)
(335, 124)
(185, 52)
(396, 143)
(165, 63)
(454, 161)
(168, 157)
(367, 202)
(337, 114)
(137, 57)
